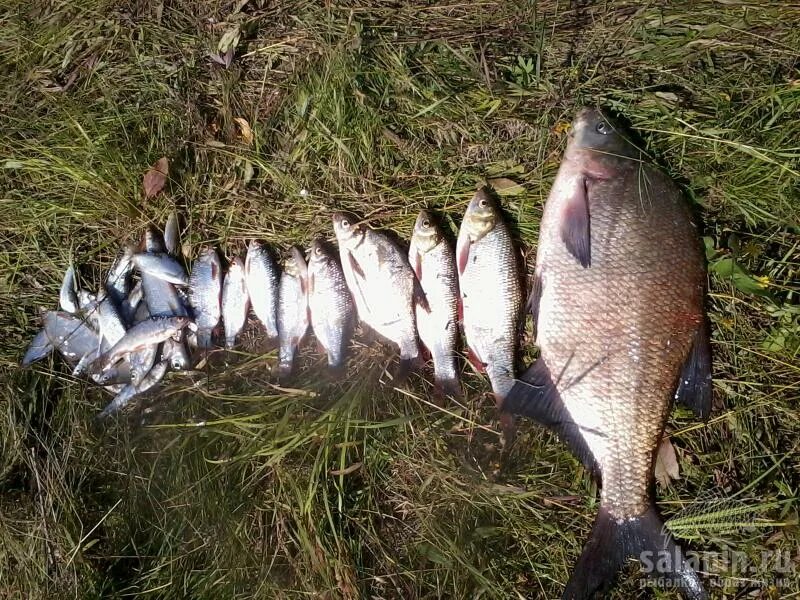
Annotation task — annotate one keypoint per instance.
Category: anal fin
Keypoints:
(695, 389)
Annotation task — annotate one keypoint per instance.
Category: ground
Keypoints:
(273, 115)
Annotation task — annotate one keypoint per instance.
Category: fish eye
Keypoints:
(345, 223)
(603, 127)
(483, 203)
(318, 250)
(426, 223)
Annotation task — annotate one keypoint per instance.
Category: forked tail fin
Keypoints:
(614, 541)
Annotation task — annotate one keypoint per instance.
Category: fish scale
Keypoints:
(491, 293)
(618, 303)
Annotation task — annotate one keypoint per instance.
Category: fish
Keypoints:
(118, 281)
(153, 331)
(118, 374)
(130, 304)
(110, 323)
(171, 234)
(619, 286)
(70, 335)
(141, 361)
(331, 307)
(161, 265)
(433, 260)
(39, 348)
(68, 298)
(235, 302)
(262, 277)
(491, 291)
(123, 398)
(205, 289)
(292, 309)
(176, 354)
(384, 288)
(87, 307)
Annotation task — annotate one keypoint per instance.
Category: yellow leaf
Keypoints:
(245, 130)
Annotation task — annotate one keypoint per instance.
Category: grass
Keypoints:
(230, 487)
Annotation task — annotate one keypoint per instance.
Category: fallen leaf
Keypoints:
(506, 187)
(229, 39)
(347, 470)
(156, 177)
(244, 128)
(667, 467)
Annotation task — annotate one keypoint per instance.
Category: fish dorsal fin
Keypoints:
(695, 388)
(535, 396)
(575, 224)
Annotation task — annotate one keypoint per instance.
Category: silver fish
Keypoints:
(262, 277)
(119, 374)
(171, 234)
(130, 304)
(434, 264)
(292, 309)
(618, 301)
(176, 354)
(87, 303)
(141, 335)
(70, 335)
(491, 291)
(162, 266)
(123, 398)
(205, 288)
(235, 301)
(382, 283)
(111, 326)
(39, 348)
(333, 313)
(141, 361)
(118, 281)
(67, 298)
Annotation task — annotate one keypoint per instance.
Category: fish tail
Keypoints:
(448, 386)
(203, 338)
(613, 541)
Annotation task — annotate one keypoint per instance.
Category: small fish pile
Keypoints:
(150, 312)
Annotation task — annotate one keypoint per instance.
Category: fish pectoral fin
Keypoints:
(420, 298)
(695, 389)
(575, 224)
(415, 260)
(614, 540)
(476, 360)
(535, 396)
(462, 250)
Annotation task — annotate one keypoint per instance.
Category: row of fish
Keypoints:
(406, 297)
(617, 302)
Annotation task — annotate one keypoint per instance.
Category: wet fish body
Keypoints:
(171, 234)
(262, 277)
(70, 335)
(292, 309)
(235, 301)
(161, 265)
(111, 325)
(205, 289)
(619, 308)
(123, 398)
(147, 333)
(141, 361)
(433, 261)
(39, 348)
(490, 290)
(383, 286)
(331, 307)
(176, 354)
(118, 281)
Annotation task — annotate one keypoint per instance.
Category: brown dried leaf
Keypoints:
(347, 470)
(667, 467)
(156, 177)
(505, 186)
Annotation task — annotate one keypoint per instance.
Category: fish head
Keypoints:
(427, 234)
(347, 228)
(295, 264)
(603, 136)
(483, 213)
(319, 251)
